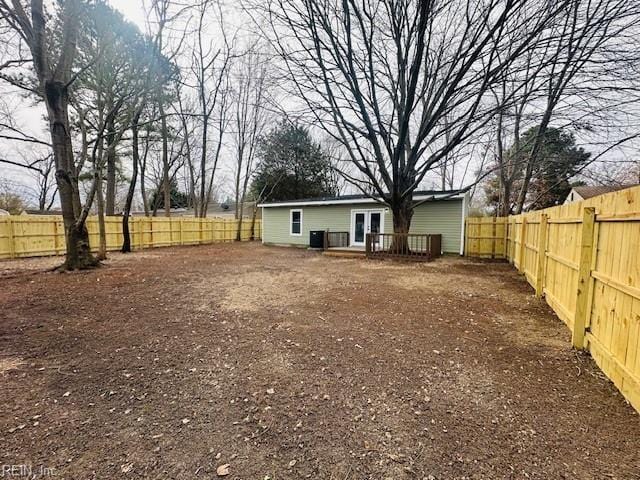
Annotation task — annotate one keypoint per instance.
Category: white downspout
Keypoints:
(464, 215)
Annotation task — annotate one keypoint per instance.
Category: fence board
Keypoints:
(611, 283)
(42, 235)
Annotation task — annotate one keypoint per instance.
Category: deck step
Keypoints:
(344, 253)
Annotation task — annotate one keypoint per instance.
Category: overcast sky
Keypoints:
(132, 9)
(30, 116)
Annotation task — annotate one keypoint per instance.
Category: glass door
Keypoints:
(360, 226)
(363, 222)
(375, 222)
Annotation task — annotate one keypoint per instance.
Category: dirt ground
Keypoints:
(286, 364)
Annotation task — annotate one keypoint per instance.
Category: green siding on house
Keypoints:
(336, 218)
(444, 217)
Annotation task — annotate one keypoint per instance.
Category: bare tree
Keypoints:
(578, 76)
(583, 44)
(46, 188)
(251, 117)
(166, 13)
(51, 40)
(210, 64)
(135, 145)
(400, 85)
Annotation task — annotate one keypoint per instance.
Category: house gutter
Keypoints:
(314, 203)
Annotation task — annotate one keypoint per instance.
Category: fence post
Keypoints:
(368, 245)
(587, 249)
(141, 232)
(511, 232)
(542, 254)
(12, 245)
(523, 248)
(505, 234)
(55, 235)
(493, 237)
(325, 240)
(467, 230)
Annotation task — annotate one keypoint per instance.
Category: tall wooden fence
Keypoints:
(42, 235)
(584, 258)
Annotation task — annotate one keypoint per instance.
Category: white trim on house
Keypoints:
(367, 223)
(303, 203)
(261, 224)
(291, 222)
(465, 199)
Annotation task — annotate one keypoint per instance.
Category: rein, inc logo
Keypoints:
(26, 471)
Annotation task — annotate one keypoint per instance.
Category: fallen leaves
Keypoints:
(223, 470)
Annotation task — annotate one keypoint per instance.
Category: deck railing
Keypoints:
(414, 246)
(335, 239)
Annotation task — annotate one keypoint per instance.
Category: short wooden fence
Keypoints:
(421, 247)
(584, 259)
(42, 235)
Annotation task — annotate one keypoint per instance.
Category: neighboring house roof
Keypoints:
(175, 212)
(417, 196)
(4, 213)
(222, 209)
(595, 190)
(30, 211)
(589, 191)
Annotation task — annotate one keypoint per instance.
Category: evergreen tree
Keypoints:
(178, 199)
(560, 161)
(292, 166)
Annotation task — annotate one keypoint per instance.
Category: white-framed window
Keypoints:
(295, 222)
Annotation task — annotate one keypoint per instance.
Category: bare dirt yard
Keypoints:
(286, 364)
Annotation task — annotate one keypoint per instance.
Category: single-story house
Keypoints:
(577, 194)
(290, 223)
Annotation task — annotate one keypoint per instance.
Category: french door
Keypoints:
(363, 222)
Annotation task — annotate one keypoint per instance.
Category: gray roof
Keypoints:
(362, 197)
(589, 191)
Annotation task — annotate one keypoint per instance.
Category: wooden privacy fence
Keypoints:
(41, 235)
(584, 258)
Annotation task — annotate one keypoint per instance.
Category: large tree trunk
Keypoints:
(203, 165)
(239, 226)
(111, 167)
(102, 233)
(402, 215)
(504, 208)
(166, 185)
(76, 235)
(79, 255)
(126, 241)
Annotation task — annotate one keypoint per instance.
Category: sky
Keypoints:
(132, 9)
(30, 116)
